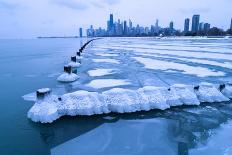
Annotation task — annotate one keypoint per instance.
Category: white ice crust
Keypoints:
(74, 64)
(121, 100)
(227, 91)
(66, 77)
(207, 92)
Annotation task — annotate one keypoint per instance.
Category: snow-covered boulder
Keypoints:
(74, 64)
(44, 110)
(122, 100)
(153, 98)
(83, 103)
(226, 90)
(186, 94)
(207, 92)
(68, 77)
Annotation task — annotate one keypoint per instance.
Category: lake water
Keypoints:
(27, 65)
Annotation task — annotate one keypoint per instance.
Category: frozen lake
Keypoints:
(131, 63)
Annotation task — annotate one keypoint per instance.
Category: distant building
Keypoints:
(124, 28)
(231, 24)
(157, 23)
(111, 21)
(206, 27)
(195, 23)
(201, 26)
(171, 25)
(80, 33)
(186, 25)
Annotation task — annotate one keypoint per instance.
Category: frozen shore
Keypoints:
(50, 107)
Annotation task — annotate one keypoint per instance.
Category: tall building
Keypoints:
(231, 24)
(186, 25)
(124, 28)
(111, 24)
(206, 27)
(80, 33)
(157, 23)
(130, 24)
(171, 25)
(195, 23)
(201, 26)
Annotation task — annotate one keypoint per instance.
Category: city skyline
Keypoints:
(29, 19)
(128, 28)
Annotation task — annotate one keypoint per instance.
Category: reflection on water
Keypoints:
(175, 131)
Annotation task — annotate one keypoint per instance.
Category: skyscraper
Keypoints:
(231, 24)
(206, 27)
(171, 25)
(195, 23)
(125, 28)
(111, 23)
(186, 25)
(80, 33)
(157, 23)
(201, 26)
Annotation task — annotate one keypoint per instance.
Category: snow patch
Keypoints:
(100, 72)
(114, 61)
(104, 83)
(66, 77)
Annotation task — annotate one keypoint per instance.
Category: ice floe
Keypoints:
(100, 72)
(114, 61)
(186, 69)
(104, 83)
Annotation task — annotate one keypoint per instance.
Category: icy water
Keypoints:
(27, 65)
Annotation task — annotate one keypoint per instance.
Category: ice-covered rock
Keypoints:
(186, 94)
(153, 98)
(207, 92)
(226, 90)
(122, 100)
(74, 64)
(68, 77)
(44, 110)
(83, 103)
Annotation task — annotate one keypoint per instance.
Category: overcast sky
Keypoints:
(32, 18)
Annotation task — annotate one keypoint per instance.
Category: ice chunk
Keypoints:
(122, 100)
(74, 64)
(44, 111)
(83, 103)
(207, 92)
(153, 98)
(227, 90)
(186, 94)
(66, 77)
